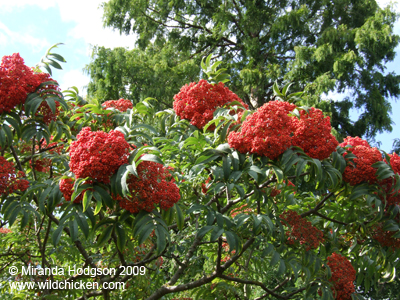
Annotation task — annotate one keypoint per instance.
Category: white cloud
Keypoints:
(74, 78)
(87, 14)
(89, 24)
(8, 6)
(385, 3)
(7, 36)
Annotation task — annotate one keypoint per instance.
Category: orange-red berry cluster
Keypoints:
(313, 134)
(343, 276)
(204, 188)
(98, 154)
(270, 131)
(385, 238)
(67, 189)
(121, 104)
(360, 170)
(44, 164)
(197, 102)
(44, 109)
(10, 180)
(302, 231)
(17, 81)
(155, 186)
(275, 192)
(240, 209)
(5, 230)
(392, 198)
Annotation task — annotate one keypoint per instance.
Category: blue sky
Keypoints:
(30, 27)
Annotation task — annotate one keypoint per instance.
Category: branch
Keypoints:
(233, 202)
(19, 166)
(77, 243)
(329, 219)
(318, 206)
(167, 289)
(253, 282)
(120, 255)
(40, 151)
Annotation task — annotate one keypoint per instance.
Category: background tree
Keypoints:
(322, 46)
(158, 72)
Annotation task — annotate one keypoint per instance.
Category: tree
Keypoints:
(206, 200)
(157, 72)
(321, 46)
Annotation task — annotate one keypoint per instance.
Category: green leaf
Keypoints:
(274, 259)
(279, 173)
(52, 104)
(104, 195)
(206, 159)
(13, 215)
(86, 199)
(300, 167)
(141, 219)
(145, 232)
(180, 219)
(276, 90)
(233, 241)
(105, 236)
(151, 128)
(151, 157)
(203, 231)
(73, 230)
(226, 167)
(99, 204)
(57, 234)
(282, 268)
(358, 191)
(9, 133)
(121, 236)
(216, 233)
(82, 223)
(161, 239)
(56, 57)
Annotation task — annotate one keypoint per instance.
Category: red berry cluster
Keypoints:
(121, 104)
(267, 132)
(204, 188)
(98, 154)
(154, 186)
(17, 81)
(10, 180)
(240, 209)
(302, 231)
(275, 192)
(385, 238)
(270, 131)
(198, 101)
(44, 164)
(44, 109)
(67, 189)
(313, 134)
(343, 276)
(5, 230)
(43, 145)
(392, 198)
(360, 170)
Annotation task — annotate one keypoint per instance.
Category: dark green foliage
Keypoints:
(323, 46)
(158, 72)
